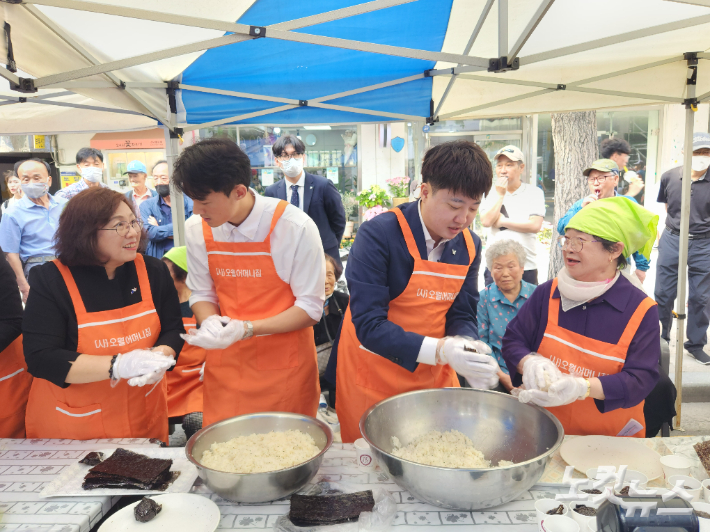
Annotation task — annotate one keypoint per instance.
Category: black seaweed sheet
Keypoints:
(146, 510)
(125, 469)
(307, 510)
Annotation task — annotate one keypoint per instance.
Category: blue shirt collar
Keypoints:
(27, 204)
(526, 289)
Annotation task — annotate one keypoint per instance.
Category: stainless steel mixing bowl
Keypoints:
(500, 426)
(258, 487)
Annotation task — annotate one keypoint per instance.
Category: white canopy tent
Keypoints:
(192, 66)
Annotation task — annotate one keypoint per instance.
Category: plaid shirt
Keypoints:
(73, 189)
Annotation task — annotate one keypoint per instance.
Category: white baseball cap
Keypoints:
(511, 152)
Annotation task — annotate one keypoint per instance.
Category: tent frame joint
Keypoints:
(691, 57)
(691, 103)
(500, 64)
(176, 133)
(25, 85)
(561, 87)
(22, 99)
(257, 31)
(303, 103)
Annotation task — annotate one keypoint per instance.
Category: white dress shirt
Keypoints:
(427, 352)
(296, 250)
(301, 184)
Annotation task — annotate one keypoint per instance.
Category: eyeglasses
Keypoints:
(600, 178)
(575, 245)
(122, 227)
(285, 157)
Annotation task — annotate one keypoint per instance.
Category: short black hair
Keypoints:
(288, 140)
(88, 153)
(613, 145)
(211, 165)
(178, 272)
(162, 161)
(460, 166)
(36, 160)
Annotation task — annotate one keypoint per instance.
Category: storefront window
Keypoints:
(484, 124)
(489, 134)
(331, 151)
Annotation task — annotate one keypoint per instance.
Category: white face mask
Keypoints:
(700, 163)
(35, 190)
(92, 174)
(293, 167)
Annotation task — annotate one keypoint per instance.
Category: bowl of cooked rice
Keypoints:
(461, 448)
(261, 457)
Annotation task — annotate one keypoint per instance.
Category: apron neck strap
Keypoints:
(407, 232)
(634, 323)
(207, 233)
(280, 208)
(554, 307)
(79, 307)
(470, 246)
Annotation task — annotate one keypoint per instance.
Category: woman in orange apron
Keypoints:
(412, 276)
(101, 328)
(257, 276)
(593, 358)
(185, 381)
(14, 380)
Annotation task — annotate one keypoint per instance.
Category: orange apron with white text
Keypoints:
(15, 382)
(275, 372)
(585, 357)
(184, 384)
(95, 409)
(364, 378)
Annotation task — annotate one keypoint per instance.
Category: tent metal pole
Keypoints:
(396, 116)
(615, 39)
(684, 232)
(508, 81)
(80, 49)
(704, 97)
(81, 106)
(236, 94)
(12, 78)
(495, 104)
(366, 89)
(455, 71)
(530, 28)
(193, 127)
(220, 25)
(84, 84)
(472, 39)
(625, 71)
(155, 113)
(177, 201)
(653, 97)
(502, 28)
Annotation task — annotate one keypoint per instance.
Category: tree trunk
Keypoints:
(574, 138)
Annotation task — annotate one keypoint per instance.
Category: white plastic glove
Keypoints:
(140, 362)
(215, 332)
(479, 368)
(567, 389)
(149, 378)
(539, 373)
(202, 372)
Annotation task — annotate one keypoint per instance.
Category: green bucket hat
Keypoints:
(178, 256)
(603, 165)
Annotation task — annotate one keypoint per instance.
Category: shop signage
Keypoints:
(39, 142)
(426, 128)
(332, 174)
(267, 177)
(128, 144)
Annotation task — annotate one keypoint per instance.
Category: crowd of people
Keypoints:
(122, 332)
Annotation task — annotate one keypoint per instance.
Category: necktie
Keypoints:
(295, 200)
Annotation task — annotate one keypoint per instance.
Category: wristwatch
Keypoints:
(248, 330)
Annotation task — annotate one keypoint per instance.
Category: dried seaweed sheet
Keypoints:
(126, 469)
(307, 510)
(146, 510)
(92, 459)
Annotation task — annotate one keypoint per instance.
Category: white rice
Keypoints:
(258, 453)
(444, 449)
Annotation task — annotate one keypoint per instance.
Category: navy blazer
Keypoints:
(322, 202)
(378, 271)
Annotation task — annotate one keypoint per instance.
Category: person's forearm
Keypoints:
(520, 365)
(204, 309)
(292, 319)
(89, 368)
(596, 390)
(533, 225)
(489, 217)
(165, 349)
(16, 263)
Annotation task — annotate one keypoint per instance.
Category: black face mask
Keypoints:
(163, 190)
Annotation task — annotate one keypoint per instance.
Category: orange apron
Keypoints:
(15, 382)
(276, 372)
(583, 356)
(364, 378)
(184, 385)
(95, 410)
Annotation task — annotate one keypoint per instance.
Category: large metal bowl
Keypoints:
(258, 487)
(500, 426)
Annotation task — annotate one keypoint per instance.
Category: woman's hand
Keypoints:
(216, 332)
(538, 372)
(567, 389)
(141, 366)
(505, 380)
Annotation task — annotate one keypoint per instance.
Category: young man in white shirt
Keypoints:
(257, 275)
(514, 210)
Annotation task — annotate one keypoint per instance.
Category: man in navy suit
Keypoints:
(314, 195)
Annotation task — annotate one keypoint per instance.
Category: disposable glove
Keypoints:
(479, 368)
(567, 389)
(140, 362)
(148, 378)
(539, 373)
(215, 332)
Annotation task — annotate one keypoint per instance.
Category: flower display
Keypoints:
(369, 214)
(399, 186)
(375, 195)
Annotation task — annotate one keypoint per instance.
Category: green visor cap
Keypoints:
(603, 165)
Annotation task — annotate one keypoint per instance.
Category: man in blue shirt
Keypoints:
(603, 178)
(90, 165)
(27, 231)
(157, 213)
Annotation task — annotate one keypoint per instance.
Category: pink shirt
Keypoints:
(137, 200)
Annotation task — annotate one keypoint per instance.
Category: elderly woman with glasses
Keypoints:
(586, 345)
(101, 327)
